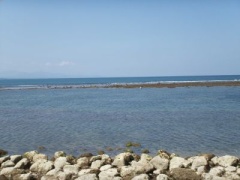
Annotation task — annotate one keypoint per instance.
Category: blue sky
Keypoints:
(61, 38)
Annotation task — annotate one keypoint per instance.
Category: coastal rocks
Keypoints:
(160, 163)
(125, 166)
(184, 174)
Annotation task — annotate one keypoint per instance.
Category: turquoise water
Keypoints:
(186, 121)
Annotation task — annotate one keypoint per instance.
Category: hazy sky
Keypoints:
(67, 38)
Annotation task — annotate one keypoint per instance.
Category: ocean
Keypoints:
(184, 120)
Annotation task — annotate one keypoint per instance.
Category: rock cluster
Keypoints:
(125, 166)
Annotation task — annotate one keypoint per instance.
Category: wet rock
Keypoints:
(160, 163)
(3, 152)
(86, 155)
(184, 174)
(15, 158)
(141, 177)
(176, 162)
(162, 177)
(22, 164)
(71, 159)
(7, 163)
(108, 174)
(198, 161)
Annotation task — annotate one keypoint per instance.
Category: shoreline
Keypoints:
(124, 166)
(131, 85)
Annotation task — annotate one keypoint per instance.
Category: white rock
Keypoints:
(87, 177)
(7, 163)
(231, 169)
(10, 171)
(127, 171)
(201, 169)
(121, 159)
(160, 163)
(176, 162)
(60, 162)
(29, 155)
(187, 164)
(141, 177)
(22, 164)
(198, 161)
(96, 164)
(83, 162)
(39, 156)
(217, 171)
(238, 171)
(145, 158)
(227, 160)
(70, 169)
(3, 159)
(108, 174)
(105, 167)
(157, 171)
(215, 160)
(142, 166)
(15, 158)
(162, 177)
(42, 166)
(59, 154)
(47, 177)
(27, 176)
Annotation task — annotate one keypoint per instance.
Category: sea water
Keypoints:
(186, 121)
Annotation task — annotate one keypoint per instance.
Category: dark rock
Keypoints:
(101, 152)
(146, 151)
(86, 155)
(2, 177)
(3, 152)
(184, 174)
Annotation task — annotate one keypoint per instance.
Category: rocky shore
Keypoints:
(125, 166)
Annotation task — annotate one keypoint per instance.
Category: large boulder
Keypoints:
(162, 177)
(87, 177)
(176, 162)
(39, 156)
(227, 161)
(11, 171)
(198, 161)
(59, 154)
(3, 159)
(41, 166)
(160, 163)
(217, 171)
(184, 174)
(60, 162)
(71, 169)
(3, 152)
(97, 164)
(127, 172)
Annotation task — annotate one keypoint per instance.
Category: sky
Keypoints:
(118, 38)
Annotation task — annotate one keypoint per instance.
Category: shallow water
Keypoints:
(186, 121)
